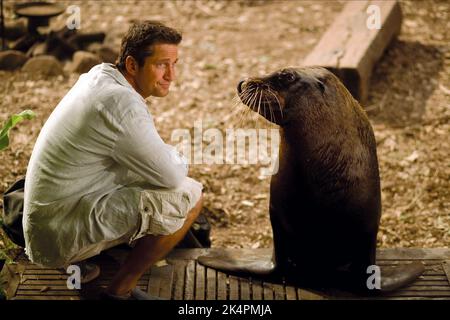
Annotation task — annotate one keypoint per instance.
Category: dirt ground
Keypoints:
(226, 41)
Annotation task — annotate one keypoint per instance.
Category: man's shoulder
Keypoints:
(121, 102)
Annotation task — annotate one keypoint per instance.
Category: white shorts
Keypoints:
(161, 212)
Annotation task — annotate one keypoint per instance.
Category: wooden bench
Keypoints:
(350, 49)
(180, 277)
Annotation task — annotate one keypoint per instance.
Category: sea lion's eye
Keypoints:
(321, 86)
(287, 77)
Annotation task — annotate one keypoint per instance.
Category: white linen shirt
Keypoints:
(99, 139)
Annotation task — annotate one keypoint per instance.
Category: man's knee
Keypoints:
(195, 211)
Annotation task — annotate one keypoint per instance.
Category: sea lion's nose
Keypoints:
(241, 86)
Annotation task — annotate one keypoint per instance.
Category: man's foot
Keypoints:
(135, 294)
(89, 271)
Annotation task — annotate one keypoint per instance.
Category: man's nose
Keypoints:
(170, 74)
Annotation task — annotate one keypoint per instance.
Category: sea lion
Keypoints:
(325, 199)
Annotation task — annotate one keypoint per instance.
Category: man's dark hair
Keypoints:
(141, 36)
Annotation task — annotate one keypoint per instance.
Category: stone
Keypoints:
(44, 65)
(83, 61)
(38, 49)
(12, 59)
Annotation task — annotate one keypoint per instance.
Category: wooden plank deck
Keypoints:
(180, 277)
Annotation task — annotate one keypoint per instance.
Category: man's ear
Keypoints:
(131, 65)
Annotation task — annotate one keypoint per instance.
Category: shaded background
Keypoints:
(225, 41)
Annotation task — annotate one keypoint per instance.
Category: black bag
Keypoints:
(13, 212)
(198, 235)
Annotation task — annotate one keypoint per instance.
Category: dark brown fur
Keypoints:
(325, 199)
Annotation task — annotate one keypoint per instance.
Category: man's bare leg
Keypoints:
(148, 250)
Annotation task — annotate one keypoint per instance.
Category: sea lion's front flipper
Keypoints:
(251, 264)
(396, 277)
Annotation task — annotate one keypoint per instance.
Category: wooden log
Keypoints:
(350, 49)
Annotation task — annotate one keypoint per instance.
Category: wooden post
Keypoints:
(350, 49)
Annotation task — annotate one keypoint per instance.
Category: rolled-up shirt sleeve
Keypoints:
(139, 148)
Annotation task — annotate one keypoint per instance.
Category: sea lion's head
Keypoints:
(293, 93)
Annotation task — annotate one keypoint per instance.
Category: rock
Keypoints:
(38, 49)
(44, 65)
(104, 52)
(12, 59)
(83, 61)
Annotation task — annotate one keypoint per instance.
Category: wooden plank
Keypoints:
(382, 253)
(413, 253)
(279, 292)
(221, 286)
(161, 281)
(189, 286)
(431, 282)
(210, 284)
(234, 287)
(405, 262)
(409, 298)
(166, 282)
(446, 268)
(421, 294)
(267, 291)
(45, 272)
(39, 297)
(350, 49)
(101, 282)
(291, 293)
(179, 279)
(413, 287)
(304, 294)
(433, 278)
(245, 289)
(200, 276)
(257, 290)
(48, 293)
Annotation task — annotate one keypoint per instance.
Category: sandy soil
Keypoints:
(226, 41)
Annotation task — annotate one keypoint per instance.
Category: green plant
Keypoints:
(12, 121)
(5, 245)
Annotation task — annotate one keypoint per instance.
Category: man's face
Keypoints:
(157, 73)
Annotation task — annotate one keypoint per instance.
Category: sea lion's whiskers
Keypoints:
(239, 108)
(251, 102)
(254, 106)
(278, 102)
(246, 96)
(259, 102)
(272, 114)
(270, 109)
